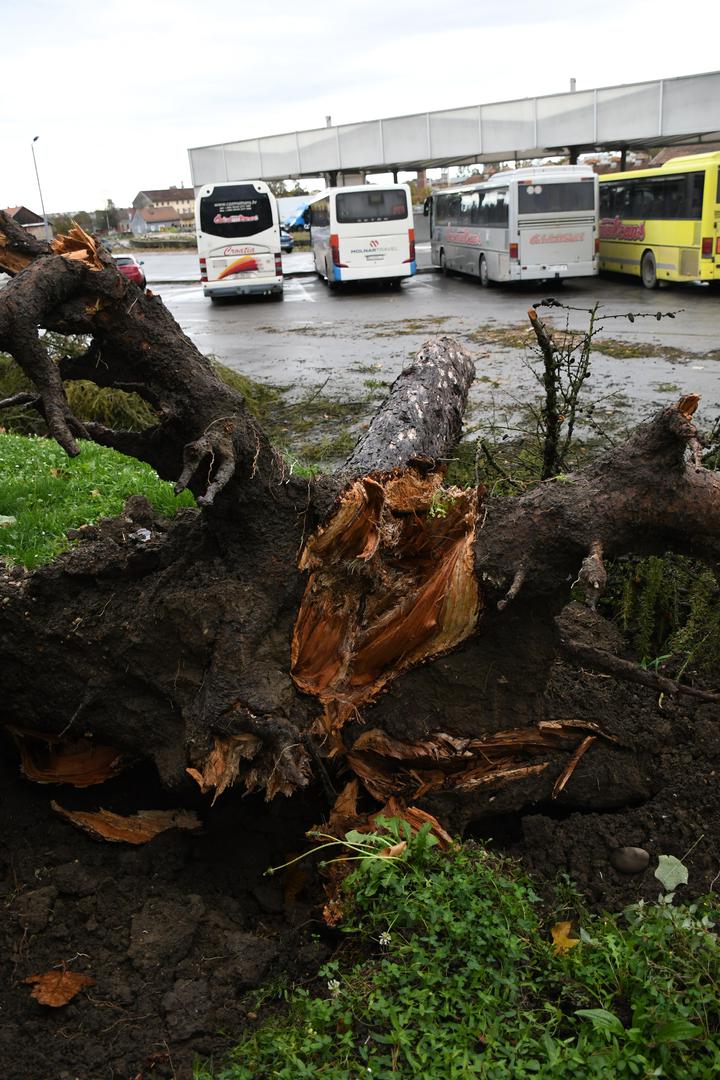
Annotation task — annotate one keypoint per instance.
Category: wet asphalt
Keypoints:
(362, 336)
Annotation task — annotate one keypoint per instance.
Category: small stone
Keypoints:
(630, 860)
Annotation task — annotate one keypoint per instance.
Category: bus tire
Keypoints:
(483, 273)
(443, 263)
(648, 271)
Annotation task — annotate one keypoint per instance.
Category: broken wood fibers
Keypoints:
(392, 583)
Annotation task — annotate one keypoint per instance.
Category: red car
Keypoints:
(130, 268)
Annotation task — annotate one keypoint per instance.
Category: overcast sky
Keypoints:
(117, 90)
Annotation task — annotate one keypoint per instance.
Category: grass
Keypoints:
(47, 493)
(460, 978)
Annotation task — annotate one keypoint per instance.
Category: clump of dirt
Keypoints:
(176, 934)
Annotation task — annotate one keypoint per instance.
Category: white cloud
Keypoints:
(118, 89)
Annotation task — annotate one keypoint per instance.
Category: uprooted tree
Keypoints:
(371, 626)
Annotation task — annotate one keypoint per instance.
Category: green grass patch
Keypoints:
(48, 493)
(460, 978)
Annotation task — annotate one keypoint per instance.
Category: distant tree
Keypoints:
(112, 214)
(61, 223)
(278, 188)
(297, 189)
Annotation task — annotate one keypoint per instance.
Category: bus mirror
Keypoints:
(426, 206)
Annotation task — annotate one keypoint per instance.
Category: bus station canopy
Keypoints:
(659, 113)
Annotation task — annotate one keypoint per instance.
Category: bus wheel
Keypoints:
(443, 264)
(483, 273)
(648, 271)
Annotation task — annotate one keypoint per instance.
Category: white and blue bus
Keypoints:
(238, 237)
(520, 225)
(363, 233)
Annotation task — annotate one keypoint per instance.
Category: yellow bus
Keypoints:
(663, 224)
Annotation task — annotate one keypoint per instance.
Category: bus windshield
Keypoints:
(375, 204)
(555, 198)
(235, 212)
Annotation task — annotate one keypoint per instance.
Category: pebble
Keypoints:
(630, 860)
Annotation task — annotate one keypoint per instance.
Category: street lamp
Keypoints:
(42, 204)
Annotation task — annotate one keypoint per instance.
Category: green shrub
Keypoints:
(461, 980)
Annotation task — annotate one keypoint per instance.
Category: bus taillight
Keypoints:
(513, 250)
(411, 239)
(278, 264)
(203, 270)
(597, 245)
(335, 250)
(717, 246)
(707, 246)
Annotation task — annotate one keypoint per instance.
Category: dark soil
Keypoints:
(175, 933)
(179, 934)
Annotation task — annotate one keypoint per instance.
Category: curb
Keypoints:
(292, 274)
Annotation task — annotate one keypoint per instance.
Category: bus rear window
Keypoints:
(556, 198)
(375, 204)
(239, 211)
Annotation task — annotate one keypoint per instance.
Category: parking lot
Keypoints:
(354, 341)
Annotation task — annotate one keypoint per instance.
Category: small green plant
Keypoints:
(460, 980)
(441, 502)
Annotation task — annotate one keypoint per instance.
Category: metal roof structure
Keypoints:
(658, 113)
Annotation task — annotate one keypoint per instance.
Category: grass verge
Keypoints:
(43, 493)
(460, 978)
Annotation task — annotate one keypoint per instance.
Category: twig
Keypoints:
(572, 765)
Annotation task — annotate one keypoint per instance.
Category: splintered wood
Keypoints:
(79, 246)
(47, 760)
(136, 829)
(390, 767)
(392, 583)
(221, 767)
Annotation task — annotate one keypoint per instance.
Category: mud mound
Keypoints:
(178, 934)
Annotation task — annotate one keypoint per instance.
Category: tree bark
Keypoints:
(373, 623)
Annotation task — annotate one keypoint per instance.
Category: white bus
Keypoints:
(520, 225)
(238, 236)
(363, 233)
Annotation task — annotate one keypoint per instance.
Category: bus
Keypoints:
(238, 237)
(520, 225)
(663, 224)
(362, 233)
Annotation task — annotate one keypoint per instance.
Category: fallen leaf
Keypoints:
(671, 872)
(57, 988)
(394, 851)
(136, 829)
(561, 939)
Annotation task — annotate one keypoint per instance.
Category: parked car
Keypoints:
(130, 268)
(286, 241)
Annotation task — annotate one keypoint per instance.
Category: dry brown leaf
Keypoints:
(561, 937)
(136, 829)
(394, 851)
(222, 764)
(57, 988)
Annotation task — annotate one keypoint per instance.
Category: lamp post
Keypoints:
(37, 176)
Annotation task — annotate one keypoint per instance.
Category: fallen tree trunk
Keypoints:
(374, 624)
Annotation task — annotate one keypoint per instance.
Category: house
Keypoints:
(152, 219)
(124, 217)
(31, 221)
(182, 199)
